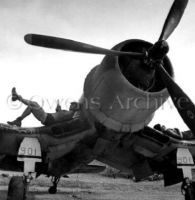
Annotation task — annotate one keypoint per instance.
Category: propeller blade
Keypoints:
(173, 18)
(71, 45)
(182, 102)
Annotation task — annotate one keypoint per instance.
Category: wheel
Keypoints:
(52, 190)
(16, 188)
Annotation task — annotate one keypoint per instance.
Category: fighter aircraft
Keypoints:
(120, 97)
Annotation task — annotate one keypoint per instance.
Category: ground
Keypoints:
(97, 187)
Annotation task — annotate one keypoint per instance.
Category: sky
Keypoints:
(46, 75)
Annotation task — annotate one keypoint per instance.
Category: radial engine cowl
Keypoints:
(123, 93)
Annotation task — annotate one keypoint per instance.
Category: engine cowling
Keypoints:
(116, 98)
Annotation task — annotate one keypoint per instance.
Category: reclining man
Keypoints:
(45, 118)
(175, 132)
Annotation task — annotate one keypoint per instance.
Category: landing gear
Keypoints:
(18, 187)
(185, 162)
(188, 189)
(30, 153)
(53, 189)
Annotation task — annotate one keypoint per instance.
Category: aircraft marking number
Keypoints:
(29, 151)
(184, 160)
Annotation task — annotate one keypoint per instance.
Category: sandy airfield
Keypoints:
(96, 187)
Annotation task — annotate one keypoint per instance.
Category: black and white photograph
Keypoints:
(97, 100)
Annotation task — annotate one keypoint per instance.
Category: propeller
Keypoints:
(170, 24)
(71, 45)
(160, 48)
(173, 18)
(156, 53)
(182, 102)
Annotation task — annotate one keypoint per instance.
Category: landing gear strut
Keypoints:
(188, 189)
(30, 153)
(53, 189)
(185, 162)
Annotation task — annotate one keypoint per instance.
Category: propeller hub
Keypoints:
(158, 51)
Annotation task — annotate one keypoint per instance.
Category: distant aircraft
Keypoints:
(119, 100)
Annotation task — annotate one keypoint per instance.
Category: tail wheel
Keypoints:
(52, 190)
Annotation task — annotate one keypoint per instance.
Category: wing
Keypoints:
(64, 147)
(144, 153)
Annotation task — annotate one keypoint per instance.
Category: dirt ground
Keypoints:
(97, 187)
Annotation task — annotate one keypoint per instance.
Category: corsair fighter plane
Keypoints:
(120, 97)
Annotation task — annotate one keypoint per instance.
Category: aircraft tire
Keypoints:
(52, 190)
(16, 189)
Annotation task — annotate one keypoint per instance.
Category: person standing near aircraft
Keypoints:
(44, 117)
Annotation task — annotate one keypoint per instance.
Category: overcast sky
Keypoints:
(47, 75)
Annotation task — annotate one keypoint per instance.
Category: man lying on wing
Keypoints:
(44, 117)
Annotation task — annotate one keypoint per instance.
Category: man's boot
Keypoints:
(17, 122)
(15, 96)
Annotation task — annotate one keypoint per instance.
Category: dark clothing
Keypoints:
(49, 120)
(60, 116)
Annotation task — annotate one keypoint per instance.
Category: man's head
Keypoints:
(74, 106)
(160, 127)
